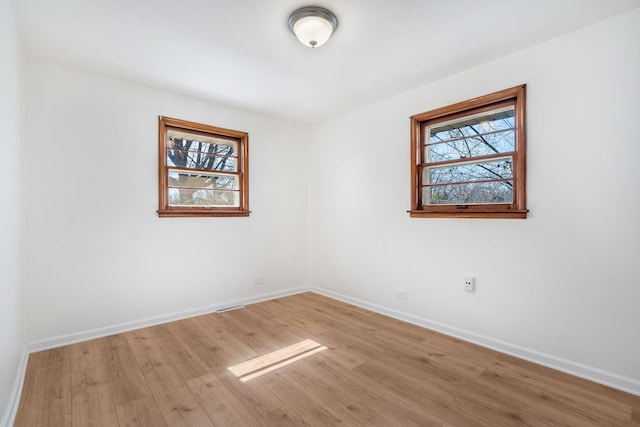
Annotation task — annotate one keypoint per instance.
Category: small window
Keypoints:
(203, 170)
(468, 159)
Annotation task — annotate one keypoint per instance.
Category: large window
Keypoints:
(203, 170)
(468, 159)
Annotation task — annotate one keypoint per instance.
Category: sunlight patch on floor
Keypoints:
(260, 365)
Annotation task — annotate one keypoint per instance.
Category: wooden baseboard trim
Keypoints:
(590, 373)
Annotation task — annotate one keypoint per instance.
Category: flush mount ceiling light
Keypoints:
(313, 25)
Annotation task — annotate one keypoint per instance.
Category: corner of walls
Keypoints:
(12, 307)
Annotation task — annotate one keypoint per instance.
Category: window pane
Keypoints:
(202, 180)
(202, 152)
(200, 197)
(466, 194)
(481, 171)
(486, 133)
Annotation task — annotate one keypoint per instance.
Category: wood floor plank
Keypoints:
(179, 408)
(374, 371)
(220, 404)
(92, 404)
(345, 357)
(431, 393)
(352, 405)
(50, 393)
(360, 345)
(566, 384)
(376, 395)
(452, 345)
(141, 340)
(285, 318)
(370, 394)
(284, 417)
(530, 399)
(159, 373)
(583, 401)
(272, 331)
(343, 404)
(484, 409)
(125, 377)
(313, 410)
(255, 395)
(53, 357)
(86, 355)
(208, 342)
(422, 358)
(255, 332)
(140, 413)
(184, 359)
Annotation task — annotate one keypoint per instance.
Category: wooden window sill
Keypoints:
(510, 214)
(201, 213)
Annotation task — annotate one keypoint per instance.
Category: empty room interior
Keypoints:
(355, 213)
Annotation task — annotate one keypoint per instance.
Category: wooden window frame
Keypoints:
(515, 96)
(242, 138)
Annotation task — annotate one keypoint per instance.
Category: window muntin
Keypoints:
(468, 159)
(203, 170)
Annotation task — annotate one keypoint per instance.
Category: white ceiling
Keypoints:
(241, 53)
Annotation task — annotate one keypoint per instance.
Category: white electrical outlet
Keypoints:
(258, 281)
(470, 284)
(401, 294)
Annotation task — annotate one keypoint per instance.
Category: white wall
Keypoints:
(12, 336)
(562, 283)
(97, 254)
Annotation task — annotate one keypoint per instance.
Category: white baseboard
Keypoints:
(14, 400)
(90, 334)
(62, 340)
(590, 373)
(628, 385)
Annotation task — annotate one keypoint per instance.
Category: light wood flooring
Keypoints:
(376, 371)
